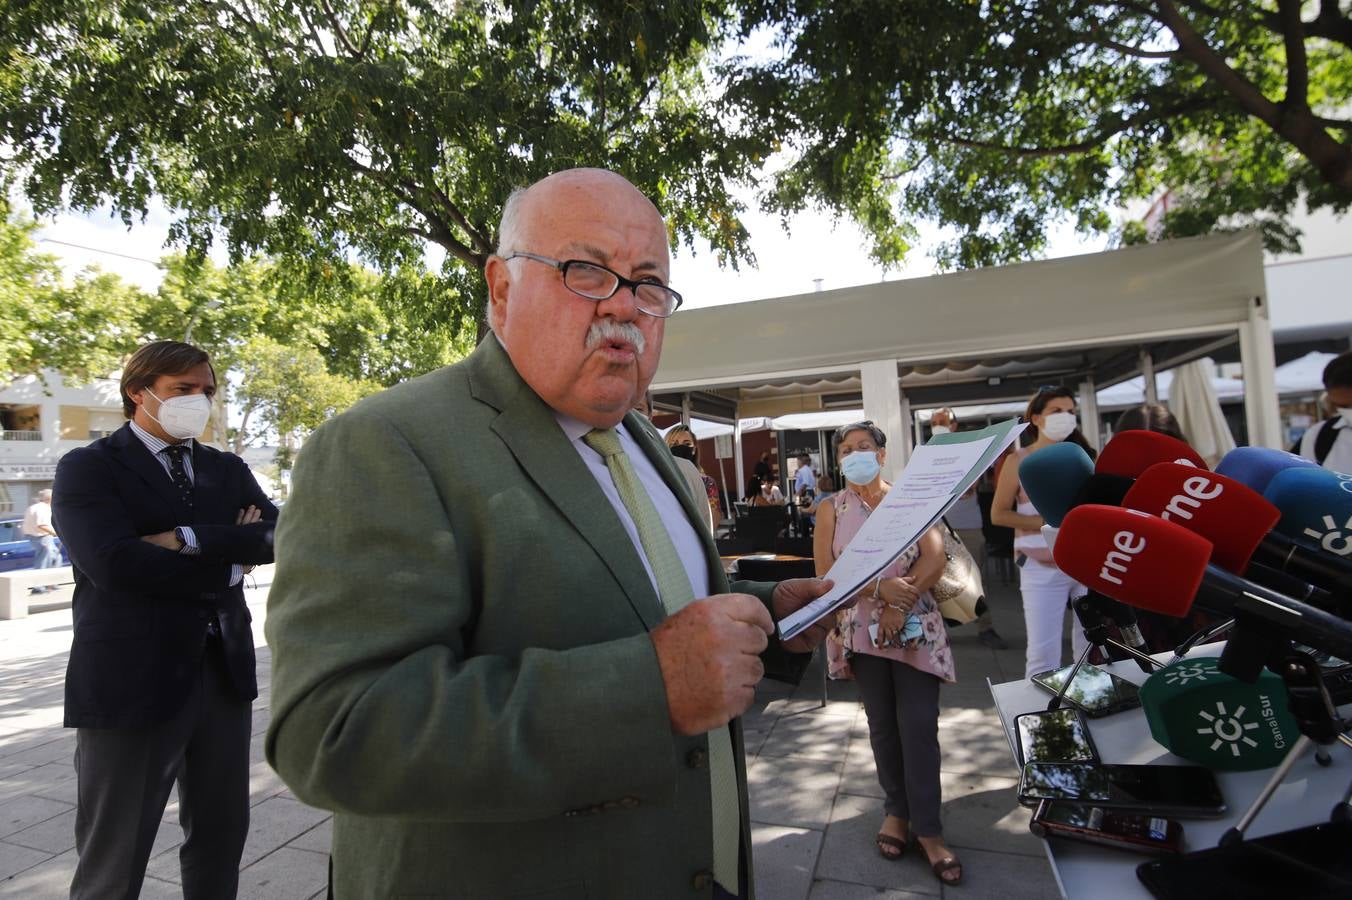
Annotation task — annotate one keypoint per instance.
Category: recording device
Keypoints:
(1130, 453)
(1056, 735)
(1316, 506)
(1186, 791)
(1256, 466)
(1198, 712)
(1094, 692)
(1310, 863)
(1152, 564)
(1107, 828)
(1239, 521)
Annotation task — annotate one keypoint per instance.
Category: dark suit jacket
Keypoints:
(141, 611)
(463, 671)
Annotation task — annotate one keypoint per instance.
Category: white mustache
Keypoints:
(603, 331)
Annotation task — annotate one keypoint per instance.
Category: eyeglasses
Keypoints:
(595, 282)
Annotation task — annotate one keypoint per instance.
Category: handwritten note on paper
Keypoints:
(936, 475)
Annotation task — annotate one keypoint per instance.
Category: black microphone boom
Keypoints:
(1230, 595)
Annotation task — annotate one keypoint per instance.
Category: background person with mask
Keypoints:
(160, 682)
(1336, 453)
(1046, 589)
(685, 448)
(894, 645)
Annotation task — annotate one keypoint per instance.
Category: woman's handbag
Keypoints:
(959, 589)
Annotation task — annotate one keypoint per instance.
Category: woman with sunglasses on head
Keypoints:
(1046, 590)
(892, 641)
(681, 441)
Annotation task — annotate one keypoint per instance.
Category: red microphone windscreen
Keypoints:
(1133, 557)
(1130, 453)
(1232, 516)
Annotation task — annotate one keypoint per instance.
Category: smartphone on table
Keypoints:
(1138, 832)
(1185, 791)
(1059, 735)
(1095, 692)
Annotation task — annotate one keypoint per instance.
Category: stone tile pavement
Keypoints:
(815, 803)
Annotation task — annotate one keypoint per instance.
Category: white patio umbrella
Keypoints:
(1192, 400)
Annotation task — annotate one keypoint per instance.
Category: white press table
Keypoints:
(1087, 872)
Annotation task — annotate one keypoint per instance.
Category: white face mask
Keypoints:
(941, 429)
(183, 417)
(1346, 413)
(1058, 426)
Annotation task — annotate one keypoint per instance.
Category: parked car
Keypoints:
(15, 550)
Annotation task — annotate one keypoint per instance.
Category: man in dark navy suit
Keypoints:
(161, 530)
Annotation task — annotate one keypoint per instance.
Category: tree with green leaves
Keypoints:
(997, 118)
(316, 133)
(286, 392)
(80, 326)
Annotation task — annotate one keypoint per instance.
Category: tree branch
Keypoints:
(439, 232)
(314, 32)
(475, 235)
(1298, 127)
(1338, 124)
(1297, 72)
(339, 32)
(1331, 24)
(1132, 51)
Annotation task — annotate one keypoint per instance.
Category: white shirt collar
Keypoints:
(153, 444)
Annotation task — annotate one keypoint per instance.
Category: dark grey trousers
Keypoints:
(124, 777)
(902, 704)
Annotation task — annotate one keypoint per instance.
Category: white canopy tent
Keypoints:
(982, 336)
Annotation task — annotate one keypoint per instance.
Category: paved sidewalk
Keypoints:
(815, 803)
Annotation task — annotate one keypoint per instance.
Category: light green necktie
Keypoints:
(673, 584)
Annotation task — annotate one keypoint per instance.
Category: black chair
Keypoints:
(794, 546)
(783, 666)
(762, 525)
(734, 546)
(752, 569)
(999, 552)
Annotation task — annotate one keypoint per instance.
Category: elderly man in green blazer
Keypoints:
(494, 669)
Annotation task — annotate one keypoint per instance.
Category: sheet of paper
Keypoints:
(937, 470)
(935, 477)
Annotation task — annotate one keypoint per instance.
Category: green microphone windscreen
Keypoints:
(1205, 716)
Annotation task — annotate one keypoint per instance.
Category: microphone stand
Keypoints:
(1310, 704)
(1096, 632)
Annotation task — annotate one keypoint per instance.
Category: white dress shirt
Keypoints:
(688, 544)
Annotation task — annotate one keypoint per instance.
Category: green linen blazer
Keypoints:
(461, 667)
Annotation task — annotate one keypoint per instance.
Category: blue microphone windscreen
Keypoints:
(1316, 506)
(1256, 466)
(1053, 476)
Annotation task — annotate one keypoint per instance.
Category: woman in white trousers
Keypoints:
(1046, 590)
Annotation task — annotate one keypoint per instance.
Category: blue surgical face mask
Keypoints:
(860, 467)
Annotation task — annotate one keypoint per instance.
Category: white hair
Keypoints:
(511, 221)
(508, 230)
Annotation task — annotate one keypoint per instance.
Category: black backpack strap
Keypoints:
(1323, 441)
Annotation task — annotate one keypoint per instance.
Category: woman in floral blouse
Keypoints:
(894, 644)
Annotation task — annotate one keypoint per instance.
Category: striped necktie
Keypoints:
(673, 585)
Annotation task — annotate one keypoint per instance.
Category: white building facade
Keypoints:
(42, 421)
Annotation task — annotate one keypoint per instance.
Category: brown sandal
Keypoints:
(886, 840)
(947, 864)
